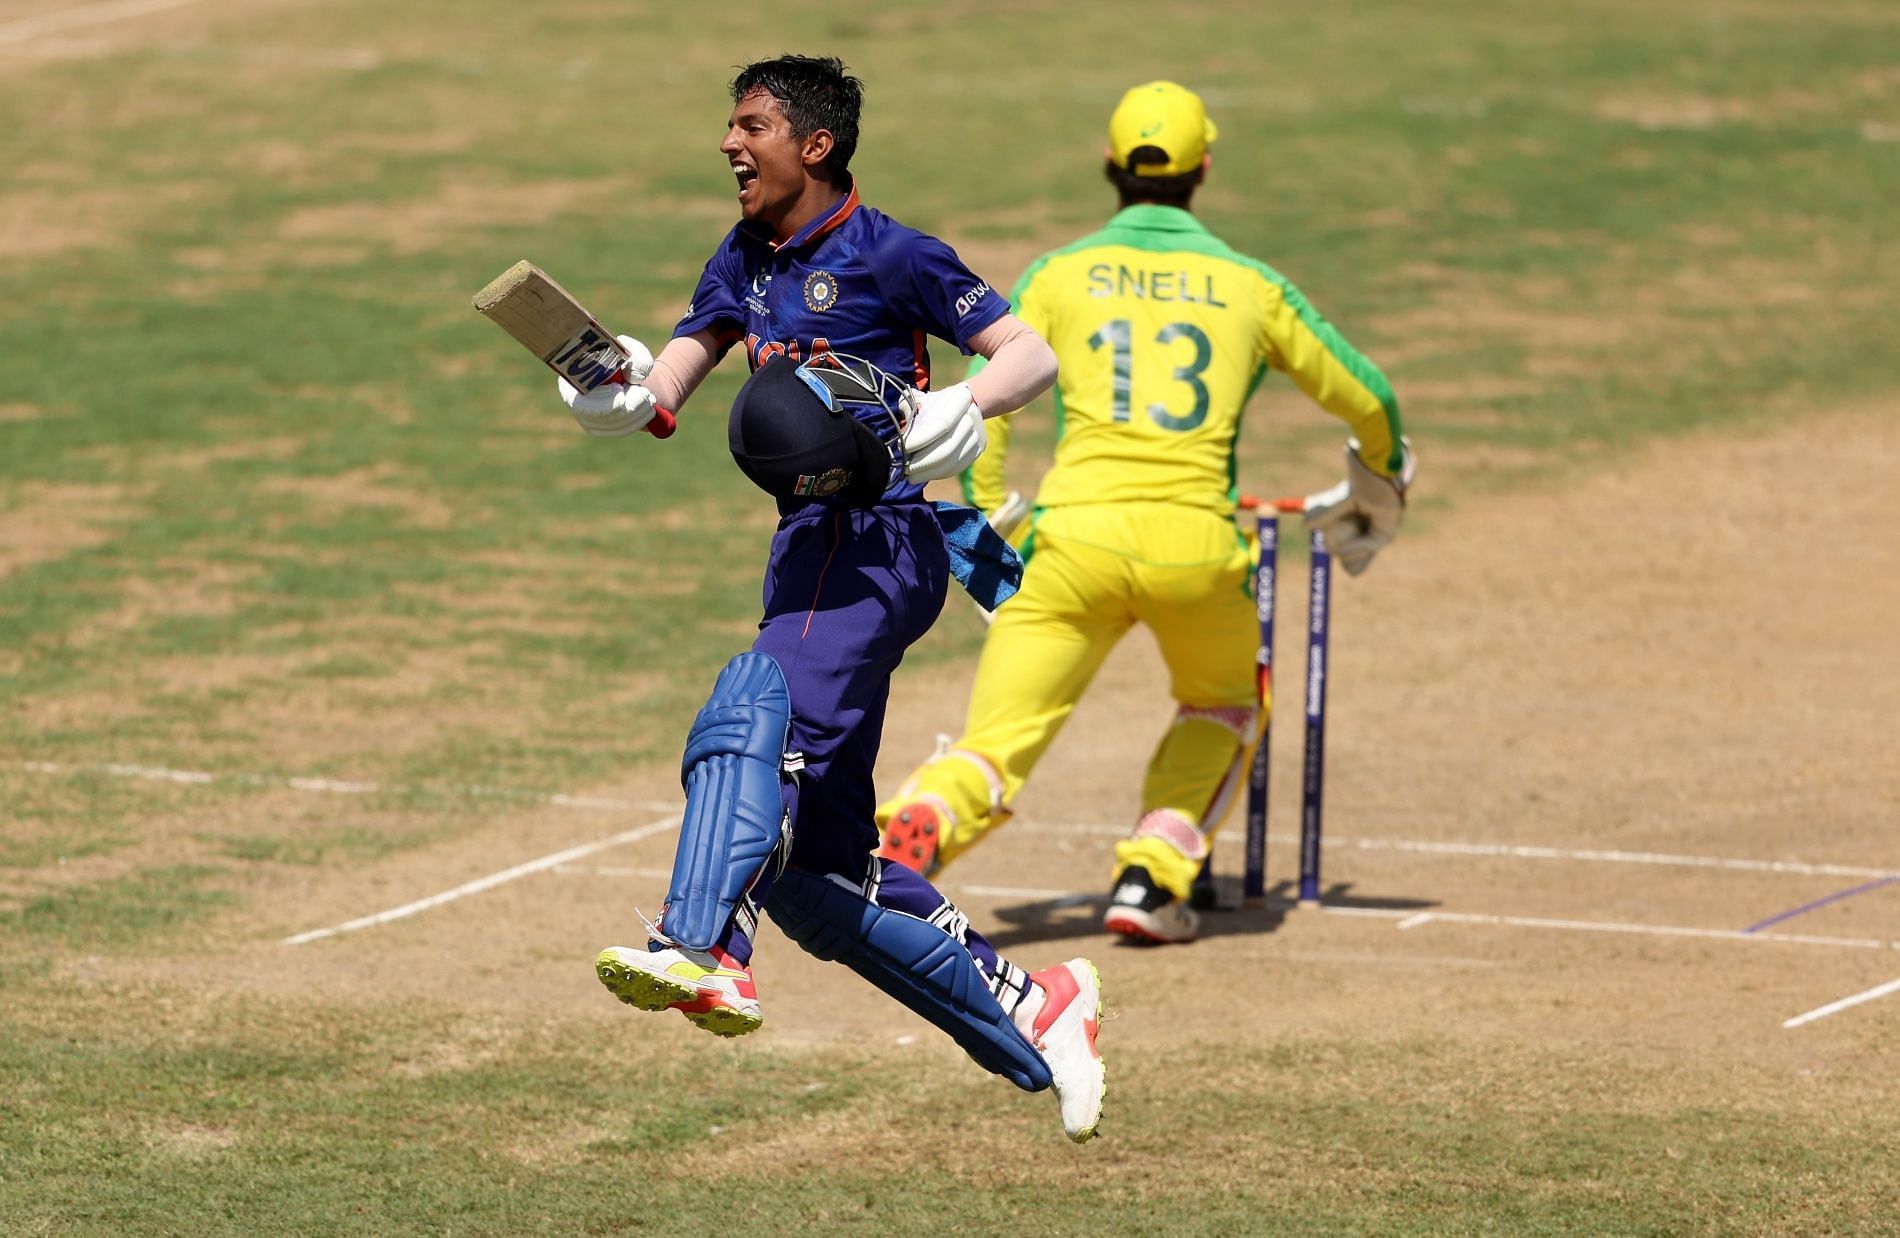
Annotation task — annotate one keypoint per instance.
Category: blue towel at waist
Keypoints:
(988, 568)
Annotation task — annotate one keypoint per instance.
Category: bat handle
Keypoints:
(663, 423)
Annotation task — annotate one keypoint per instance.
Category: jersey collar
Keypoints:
(816, 229)
(1149, 217)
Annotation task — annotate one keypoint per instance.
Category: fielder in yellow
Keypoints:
(1163, 332)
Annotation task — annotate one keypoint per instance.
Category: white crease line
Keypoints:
(1846, 1003)
(489, 882)
(136, 771)
(1646, 930)
(1092, 829)
(90, 15)
(611, 870)
(1377, 913)
(1065, 898)
(1522, 852)
(1611, 857)
(333, 786)
(1019, 892)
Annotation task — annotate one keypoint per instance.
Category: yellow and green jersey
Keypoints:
(1163, 332)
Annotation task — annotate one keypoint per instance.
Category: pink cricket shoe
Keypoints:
(1063, 1028)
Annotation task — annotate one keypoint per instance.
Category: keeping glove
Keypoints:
(614, 410)
(945, 434)
(1361, 514)
(1008, 516)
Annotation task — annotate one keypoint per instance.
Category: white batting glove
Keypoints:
(614, 410)
(1361, 514)
(946, 433)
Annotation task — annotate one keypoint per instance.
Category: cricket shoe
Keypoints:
(709, 987)
(1062, 1028)
(912, 835)
(1141, 910)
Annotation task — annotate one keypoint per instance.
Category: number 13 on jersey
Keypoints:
(1117, 335)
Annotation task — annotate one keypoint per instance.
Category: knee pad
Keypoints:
(735, 814)
(1198, 766)
(910, 960)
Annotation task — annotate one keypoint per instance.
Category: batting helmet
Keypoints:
(824, 428)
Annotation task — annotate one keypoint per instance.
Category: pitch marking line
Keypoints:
(1818, 903)
(1846, 1003)
(332, 786)
(90, 15)
(489, 882)
(1422, 918)
(1521, 852)
(1063, 898)
(609, 804)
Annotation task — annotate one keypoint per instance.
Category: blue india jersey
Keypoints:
(852, 281)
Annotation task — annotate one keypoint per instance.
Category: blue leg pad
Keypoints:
(735, 816)
(912, 961)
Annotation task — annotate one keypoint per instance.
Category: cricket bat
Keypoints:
(526, 303)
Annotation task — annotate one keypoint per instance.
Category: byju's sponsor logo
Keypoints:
(971, 299)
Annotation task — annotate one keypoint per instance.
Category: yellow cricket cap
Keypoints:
(1164, 115)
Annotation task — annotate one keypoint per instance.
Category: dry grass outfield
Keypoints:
(1621, 692)
(1681, 658)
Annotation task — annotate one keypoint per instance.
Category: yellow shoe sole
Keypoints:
(643, 990)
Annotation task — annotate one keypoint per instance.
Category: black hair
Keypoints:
(1159, 190)
(815, 93)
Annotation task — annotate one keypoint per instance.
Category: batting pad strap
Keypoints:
(911, 961)
(735, 814)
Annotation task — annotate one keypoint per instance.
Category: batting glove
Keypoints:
(1361, 514)
(945, 435)
(614, 410)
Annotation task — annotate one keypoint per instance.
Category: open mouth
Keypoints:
(747, 177)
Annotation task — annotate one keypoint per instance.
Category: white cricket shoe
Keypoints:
(709, 987)
(1143, 911)
(1062, 1027)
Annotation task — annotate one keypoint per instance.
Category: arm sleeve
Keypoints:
(1334, 375)
(681, 366)
(716, 306)
(986, 483)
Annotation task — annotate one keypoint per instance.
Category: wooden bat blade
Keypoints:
(525, 302)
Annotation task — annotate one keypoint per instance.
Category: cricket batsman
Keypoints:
(831, 302)
(1163, 332)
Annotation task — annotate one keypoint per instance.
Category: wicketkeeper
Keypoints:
(831, 302)
(1163, 332)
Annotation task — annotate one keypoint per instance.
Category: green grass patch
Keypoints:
(281, 1115)
(274, 501)
(343, 844)
(125, 910)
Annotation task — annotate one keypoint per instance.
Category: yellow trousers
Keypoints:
(1094, 572)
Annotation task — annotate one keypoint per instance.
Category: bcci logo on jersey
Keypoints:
(821, 291)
